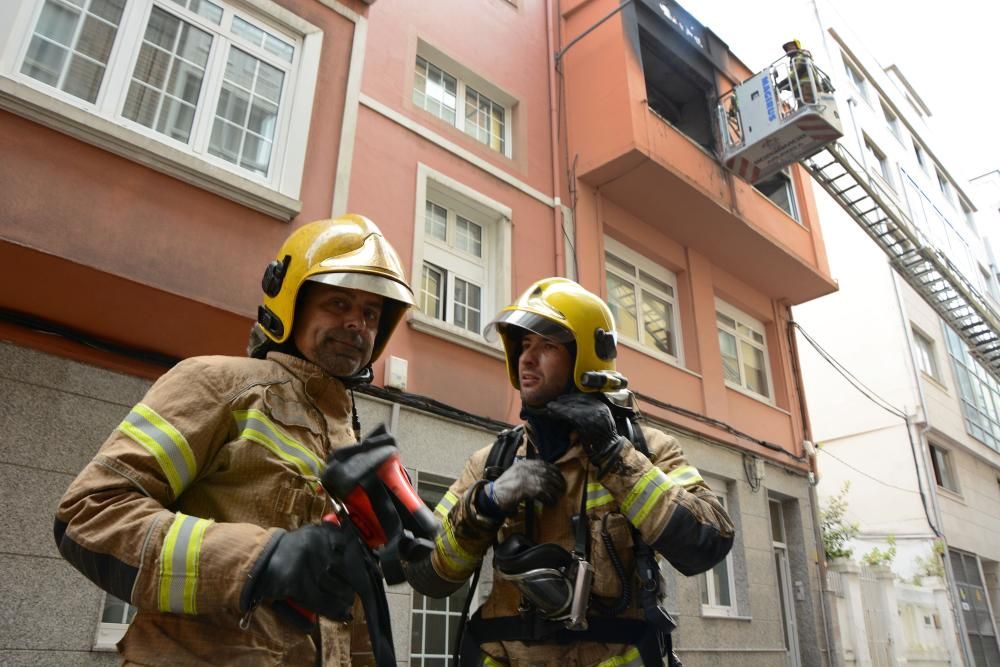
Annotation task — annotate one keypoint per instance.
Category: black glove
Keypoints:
(525, 479)
(591, 418)
(347, 467)
(305, 567)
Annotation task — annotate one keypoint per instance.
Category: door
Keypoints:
(788, 625)
(979, 625)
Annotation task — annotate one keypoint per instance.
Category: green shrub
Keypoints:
(877, 556)
(836, 530)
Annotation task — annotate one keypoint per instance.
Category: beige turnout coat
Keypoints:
(663, 497)
(174, 511)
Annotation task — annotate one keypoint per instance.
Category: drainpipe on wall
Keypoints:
(557, 213)
(937, 527)
(825, 604)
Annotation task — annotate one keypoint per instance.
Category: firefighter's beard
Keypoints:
(343, 353)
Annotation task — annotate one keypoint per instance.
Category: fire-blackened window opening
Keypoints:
(675, 91)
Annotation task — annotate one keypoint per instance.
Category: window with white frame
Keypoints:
(434, 621)
(743, 344)
(202, 76)
(718, 596)
(642, 298)
(454, 273)
(918, 152)
(878, 163)
(926, 356)
(988, 283)
(856, 78)
(891, 120)
(979, 391)
(970, 219)
(944, 471)
(115, 619)
(779, 189)
(462, 100)
(460, 258)
(945, 186)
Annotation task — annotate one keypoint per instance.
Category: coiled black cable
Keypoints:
(626, 598)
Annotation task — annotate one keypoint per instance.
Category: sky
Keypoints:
(947, 51)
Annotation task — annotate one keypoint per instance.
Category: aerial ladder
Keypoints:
(787, 113)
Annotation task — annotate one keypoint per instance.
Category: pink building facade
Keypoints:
(158, 151)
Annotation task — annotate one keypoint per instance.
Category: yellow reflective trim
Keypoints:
(167, 428)
(629, 657)
(446, 503)
(193, 566)
(457, 558)
(647, 506)
(685, 476)
(598, 496)
(639, 488)
(280, 449)
(161, 456)
(166, 563)
(489, 661)
(180, 564)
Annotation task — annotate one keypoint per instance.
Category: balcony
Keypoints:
(640, 93)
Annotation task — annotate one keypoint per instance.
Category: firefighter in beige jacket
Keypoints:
(203, 507)
(575, 581)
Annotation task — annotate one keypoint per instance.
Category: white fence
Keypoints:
(882, 622)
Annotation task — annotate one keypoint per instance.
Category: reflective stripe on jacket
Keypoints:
(177, 506)
(663, 497)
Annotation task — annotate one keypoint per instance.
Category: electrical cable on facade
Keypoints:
(882, 403)
(855, 382)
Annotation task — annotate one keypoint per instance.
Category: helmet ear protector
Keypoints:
(270, 322)
(274, 276)
(605, 344)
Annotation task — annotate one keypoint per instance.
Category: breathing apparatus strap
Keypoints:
(581, 529)
(500, 458)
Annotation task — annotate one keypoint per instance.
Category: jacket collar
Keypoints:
(327, 392)
(574, 451)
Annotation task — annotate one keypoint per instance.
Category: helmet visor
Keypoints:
(367, 282)
(531, 322)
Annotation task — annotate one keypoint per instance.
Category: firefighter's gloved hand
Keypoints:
(306, 565)
(525, 479)
(591, 418)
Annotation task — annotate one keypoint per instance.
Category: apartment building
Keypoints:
(157, 151)
(918, 442)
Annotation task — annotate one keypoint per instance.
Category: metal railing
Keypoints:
(923, 266)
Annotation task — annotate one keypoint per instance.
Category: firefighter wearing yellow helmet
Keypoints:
(584, 591)
(349, 254)
(203, 508)
(561, 310)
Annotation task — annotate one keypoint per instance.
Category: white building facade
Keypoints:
(916, 430)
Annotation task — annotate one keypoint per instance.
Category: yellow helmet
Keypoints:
(563, 311)
(348, 252)
(794, 45)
